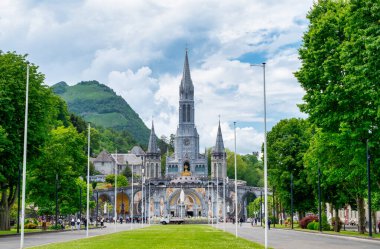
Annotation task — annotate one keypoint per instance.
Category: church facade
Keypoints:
(186, 189)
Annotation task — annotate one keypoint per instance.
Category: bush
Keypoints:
(306, 220)
(30, 226)
(312, 225)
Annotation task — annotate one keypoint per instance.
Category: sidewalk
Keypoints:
(41, 238)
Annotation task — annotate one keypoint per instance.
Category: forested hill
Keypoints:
(99, 104)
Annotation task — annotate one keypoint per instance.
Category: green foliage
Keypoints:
(287, 142)
(249, 168)
(122, 181)
(100, 105)
(339, 73)
(62, 161)
(312, 225)
(30, 226)
(127, 172)
(42, 117)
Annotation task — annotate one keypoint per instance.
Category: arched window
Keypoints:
(188, 113)
(184, 113)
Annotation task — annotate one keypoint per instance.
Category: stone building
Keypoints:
(186, 172)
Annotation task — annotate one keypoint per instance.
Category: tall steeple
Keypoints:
(152, 147)
(219, 145)
(186, 89)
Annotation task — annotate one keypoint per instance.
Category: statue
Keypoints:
(186, 172)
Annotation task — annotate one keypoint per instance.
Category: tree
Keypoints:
(62, 161)
(122, 181)
(42, 117)
(339, 68)
(287, 142)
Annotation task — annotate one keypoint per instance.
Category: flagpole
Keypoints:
(115, 207)
(88, 178)
(265, 164)
(24, 157)
(236, 197)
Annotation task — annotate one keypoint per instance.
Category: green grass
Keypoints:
(162, 237)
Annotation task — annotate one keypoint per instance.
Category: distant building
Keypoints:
(185, 170)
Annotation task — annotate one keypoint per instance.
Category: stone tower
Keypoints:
(218, 157)
(186, 160)
(153, 157)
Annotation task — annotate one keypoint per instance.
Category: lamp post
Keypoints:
(149, 203)
(24, 157)
(291, 196)
(319, 199)
(261, 208)
(88, 179)
(274, 209)
(80, 203)
(369, 190)
(132, 203)
(142, 198)
(122, 203)
(217, 193)
(97, 207)
(236, 197)
(115, 213)
(224, 204)
(56, 201)
(19, 198)
(265, 157)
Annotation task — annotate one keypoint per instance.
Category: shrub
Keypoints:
(30, 226)
(306, 220)
(312, 225)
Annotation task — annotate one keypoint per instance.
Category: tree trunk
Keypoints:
(336, 220)
(4, 212)
(374, 222)
(362, 218)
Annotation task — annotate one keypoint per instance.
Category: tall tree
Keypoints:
(42, 116)
(339, 73)
(62, 162)
(287, 143)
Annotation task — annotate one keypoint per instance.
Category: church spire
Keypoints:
(152, 147)
(186, 89)
(219, 145)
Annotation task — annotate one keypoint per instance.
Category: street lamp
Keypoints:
(115, 206)
(236, 197)
(142, 198)
(88, 179)
(217, 193)
(291, 196)
(319, 198)
(132, 200)
(261, 208)
(369, 190)
(97, 207)
(265, 157)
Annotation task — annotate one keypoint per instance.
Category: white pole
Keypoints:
(224, 204)
(142, 198)
(236, 197)
(115, 207)
(88, 178)
(24, 157)
(149, 203)
(217, 189)
(212, 204)
(208, 202)
(132, 199)
(265, 164)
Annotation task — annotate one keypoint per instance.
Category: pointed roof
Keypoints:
(152, 147)
(219, 145)
(186, 82)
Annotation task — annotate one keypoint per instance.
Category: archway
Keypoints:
(192, 206)
(122, 204)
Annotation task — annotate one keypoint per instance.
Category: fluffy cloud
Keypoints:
(136, 47)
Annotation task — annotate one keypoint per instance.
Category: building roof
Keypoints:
(137, 151)
(104, 156)
(219, 145)
(186, 82)
(152, 147)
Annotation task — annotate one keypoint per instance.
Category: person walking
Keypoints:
(72, 223)
(102, 223)
(78, 224)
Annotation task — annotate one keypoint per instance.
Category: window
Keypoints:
(188, 113)
(184, 113)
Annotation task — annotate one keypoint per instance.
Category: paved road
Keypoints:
(288, 239)
(13, 242)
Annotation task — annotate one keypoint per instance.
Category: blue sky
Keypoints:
(137, 48)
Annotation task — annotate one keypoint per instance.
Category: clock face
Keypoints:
(186, 141)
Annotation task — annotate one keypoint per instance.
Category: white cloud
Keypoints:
(136, 47)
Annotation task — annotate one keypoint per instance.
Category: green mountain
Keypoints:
(99, 104)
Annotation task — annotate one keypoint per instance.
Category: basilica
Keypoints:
(187, 188)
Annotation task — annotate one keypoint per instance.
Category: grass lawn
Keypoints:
(162, 237)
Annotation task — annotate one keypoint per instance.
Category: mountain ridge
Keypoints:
(99, 104)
